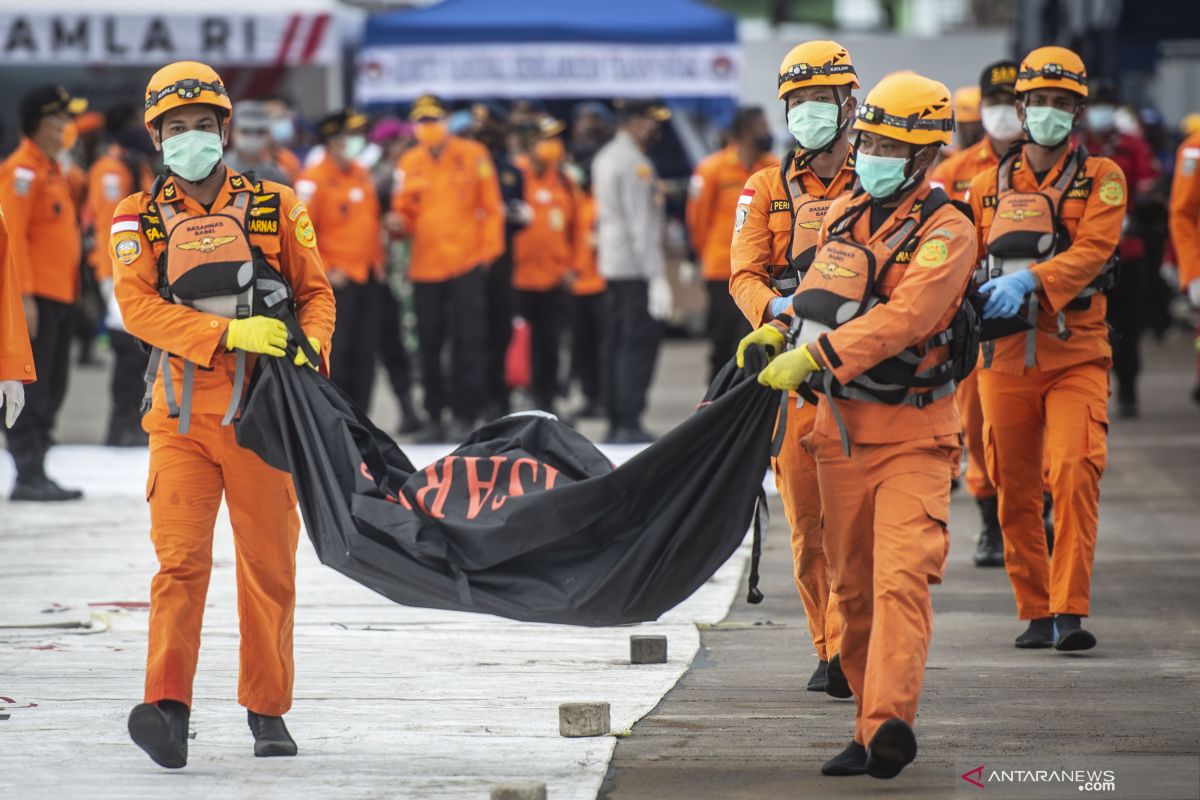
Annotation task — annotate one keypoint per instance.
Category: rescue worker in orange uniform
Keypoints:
(1184, 221)
(713, 194)
(776, 224)
(115, 175)
(878, 329)
(447, 202)
(45, 248)
(189, 219)
(1049, 218)
(968, 124)
(340, 195)
(544, 252)
(587, 304)
(16, 354)
(998, 116)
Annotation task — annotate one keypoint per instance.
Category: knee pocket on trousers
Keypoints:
(1097, 437)
(936, 547)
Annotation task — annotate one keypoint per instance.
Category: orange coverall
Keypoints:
(344, 208)
(955, 175)
(1059, 406)
(588, 279)
(887, 504)
(543, 251)
(712, 201)
(452, 210)
(16, 355)
(189, 473)
(1185, 210)
(758, 243)
(109, 182)
(40, 210)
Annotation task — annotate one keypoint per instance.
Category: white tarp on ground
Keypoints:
(269, 32)
(392, 73)
(390, 702)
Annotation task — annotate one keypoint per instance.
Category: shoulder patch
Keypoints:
(23, 180)
(126, 247)
(1112, 193)
(988, 201)
(644, 172)
(933, 253)
(152, 227)
(781, 205)
(306, 234)
(1081, 189)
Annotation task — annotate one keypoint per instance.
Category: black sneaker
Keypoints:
(893, 748)
(837, 685)
(851, 761)
(42, 490)
(271, 737)
(989, 550)
(1069, 634)
(819, 682)
(1039, 634)
(161, 729)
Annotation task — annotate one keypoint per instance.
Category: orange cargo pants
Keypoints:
(979, 485)
(1065, 413)
(796, 478)
(886, 507)
(188, 475)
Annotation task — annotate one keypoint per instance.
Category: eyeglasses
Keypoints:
(187, 89)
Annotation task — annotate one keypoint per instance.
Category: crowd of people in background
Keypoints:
(488, 255)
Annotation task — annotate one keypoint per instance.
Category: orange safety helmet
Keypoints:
(817, 63)
(181, 84)
(966, 104)
(1052, 68)
(909, 108)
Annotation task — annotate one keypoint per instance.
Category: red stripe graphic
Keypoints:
(289, 33)
(315, 35)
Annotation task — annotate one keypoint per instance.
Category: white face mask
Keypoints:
(250, 143)
(1126, 122)
(1001, 122)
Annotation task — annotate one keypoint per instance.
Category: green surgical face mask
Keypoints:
(1048, 126)
(192, 155)
(354, 146)
(880, 176)
(813, 124)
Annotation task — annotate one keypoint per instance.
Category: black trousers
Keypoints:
(127, 386)
(1127, 303)
(391, 348)
(587, 342)
(29, 438)
(352, 355)
(452, 310)
(726, 326)
(632, 338)
(500, 307)
(543, 311)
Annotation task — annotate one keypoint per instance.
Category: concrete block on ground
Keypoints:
(647, 649)
(583, 719)
(519, 791)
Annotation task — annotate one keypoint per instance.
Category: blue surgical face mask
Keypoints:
(192, 155)
(354, 146)
(1047, 126)
(813, 124)
(283, 130)
(880, 176)
(1101, 118)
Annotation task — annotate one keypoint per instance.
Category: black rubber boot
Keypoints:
(1048, 520)
(271, 737)
(161, 729)
(989, 550)
(837, 685)
(893, 748)
(42, 490)
(851, 761)
(1069, 634)
(820, 677)
(1039, 634)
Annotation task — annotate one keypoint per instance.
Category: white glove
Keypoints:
(112, 317)
(1194, 293)
(13, 395)
(662, 302)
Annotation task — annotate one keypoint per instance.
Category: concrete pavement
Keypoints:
(741, 725)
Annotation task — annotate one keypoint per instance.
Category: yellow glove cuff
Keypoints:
(812, 362)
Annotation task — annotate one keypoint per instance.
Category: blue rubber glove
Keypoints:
(780, 305)
(1006, 294)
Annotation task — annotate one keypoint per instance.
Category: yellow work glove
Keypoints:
(265, 335)
(302, 359)
(769, 336)
(791, 369)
